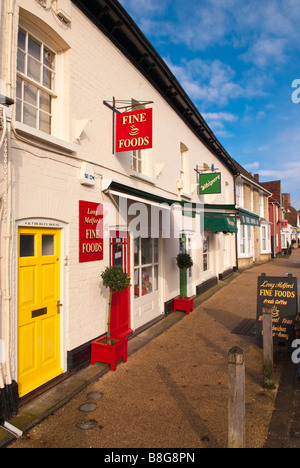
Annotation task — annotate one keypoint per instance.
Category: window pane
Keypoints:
(19, 88)
(30, 115)
(49, 58)
(155, 279)
(47, 78)
(137, 161)
(30, 94)
(21, 39)
(26, 245)
(136, 283)
(155, 250)
(146, 246)
(47, 244)
(34, 69)
(19, 111)
(146, 281)
(205, 253)
(136, 251)
(118, 259)
(45, 122)
(45, 102)
(34, 48)
(21, 61)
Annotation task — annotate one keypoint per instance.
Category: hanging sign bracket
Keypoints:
(118, 106)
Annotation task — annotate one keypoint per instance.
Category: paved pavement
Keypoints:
(173, 391)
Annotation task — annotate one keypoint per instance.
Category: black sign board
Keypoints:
(281, 294)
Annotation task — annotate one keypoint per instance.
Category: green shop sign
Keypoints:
(210, 183)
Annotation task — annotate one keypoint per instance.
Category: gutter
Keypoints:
(113, 20)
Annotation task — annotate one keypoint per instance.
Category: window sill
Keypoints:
(33, 134)
(143, 177)
(186, 195)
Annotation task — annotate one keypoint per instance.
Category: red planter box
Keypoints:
(185, 304)
(110, 354)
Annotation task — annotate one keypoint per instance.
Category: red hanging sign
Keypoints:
(90, 231)
(134, 130)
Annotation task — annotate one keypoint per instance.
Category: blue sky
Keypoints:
(237, 60)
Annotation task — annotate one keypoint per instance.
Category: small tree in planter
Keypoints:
(116, 280)
(105, 349)
(184, 262)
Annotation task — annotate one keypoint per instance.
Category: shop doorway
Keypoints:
(39, 307)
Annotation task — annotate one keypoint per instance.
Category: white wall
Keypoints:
(45, 174)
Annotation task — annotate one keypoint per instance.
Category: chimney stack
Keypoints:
(287, 199)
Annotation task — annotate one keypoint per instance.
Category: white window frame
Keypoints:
(141, 160)
(261, 205)
(265, 239)
(240, 194)
(24, 79)
(245, 241)
(140, 266)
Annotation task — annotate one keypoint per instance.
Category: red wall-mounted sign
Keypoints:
(284, 224)
(134, 130)
(90, 231)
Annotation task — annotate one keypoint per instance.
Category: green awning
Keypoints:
(220, 223)
(248, 219)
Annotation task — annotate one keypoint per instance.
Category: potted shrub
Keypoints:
(183, 302)
(107, 349)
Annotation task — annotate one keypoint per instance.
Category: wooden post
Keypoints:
(268, 347)
(236, 407)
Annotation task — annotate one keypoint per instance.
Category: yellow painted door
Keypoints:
(38, 308)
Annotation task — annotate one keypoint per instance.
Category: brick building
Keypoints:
(276, 215)
(292, 217)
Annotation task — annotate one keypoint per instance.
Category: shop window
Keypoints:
(265, 238)
(245, 240)
(36, 72)
(146, 259)
(205, 253)
(249, 240)
(242, 240)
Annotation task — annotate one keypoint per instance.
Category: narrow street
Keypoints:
(173, 392)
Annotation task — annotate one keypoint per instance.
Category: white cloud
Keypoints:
(208, 81)
(220, 116)
(212, 81)
(263, 148)
(252, 166)
(266, 51)
(217, 120)
(264, 31)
